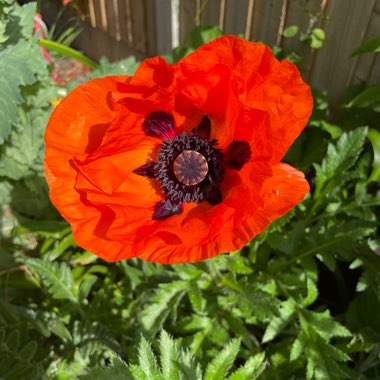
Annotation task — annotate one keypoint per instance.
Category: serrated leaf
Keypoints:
(220, 365)
(116, 370)
(196, 299)
(147, 360)
(323, 361)
(162, 305)
(326, 326)
(298, 346)
(169, 357)
(340, 157)
(19, 66)
(312, 293)
(277, 324)
(251, 370)
(57, 277)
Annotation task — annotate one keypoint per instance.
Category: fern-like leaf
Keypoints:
(56, 277)
(220, 365)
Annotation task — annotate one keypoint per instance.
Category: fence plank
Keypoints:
(333, 70)
(187, 19)
(110, 17)
(235, 17)
(122, 10)
(210, 12)
(266, 20)
(164, 26)
(150, 24)
(365, 62)
(138, 26)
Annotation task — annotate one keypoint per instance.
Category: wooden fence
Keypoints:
(145, 28)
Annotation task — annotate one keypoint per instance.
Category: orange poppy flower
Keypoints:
(179, 162)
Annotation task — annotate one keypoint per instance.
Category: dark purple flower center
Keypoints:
(189, 167)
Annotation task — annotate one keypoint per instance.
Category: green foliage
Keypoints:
(301, 301)
(19, 66)
(368, 47)
(175, 363)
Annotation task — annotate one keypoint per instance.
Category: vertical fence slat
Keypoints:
(187, 15)
(110, 17)
(365, 62)
(150, 25)
(138, 26)
(91, 9)
(164, 26)
(210, 12)
(122, 16)
(333, 69)
(374, 74)
(236, 16)
(266, 20)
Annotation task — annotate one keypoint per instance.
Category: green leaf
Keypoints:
(163, 304)
(290, 31)
(220, 365)
(196, 299)
(116, 370)
(67, 51)
(19, 66)
(57, 277)
(298, 346)
(147, 360)
(367, 98)
(312, 293)
(169, 357)
(203, 34)
(374, 138)
(277, 324)
(326, 326)
(20, 24)
(340, 157)
(5, 10)
(126, 66)
(317, 38)
(251, 370)
(324, 361)
(368, 47)
(29, 350)
(85, 286)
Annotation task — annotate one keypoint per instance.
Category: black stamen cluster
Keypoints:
(171, 149)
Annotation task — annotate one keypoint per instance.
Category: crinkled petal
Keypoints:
(247, 75)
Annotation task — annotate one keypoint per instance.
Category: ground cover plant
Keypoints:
(301, 301)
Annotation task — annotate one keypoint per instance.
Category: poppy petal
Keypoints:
(146, 170)
(237, 154)
(159, 124)
(165, 209)
(234, 68)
